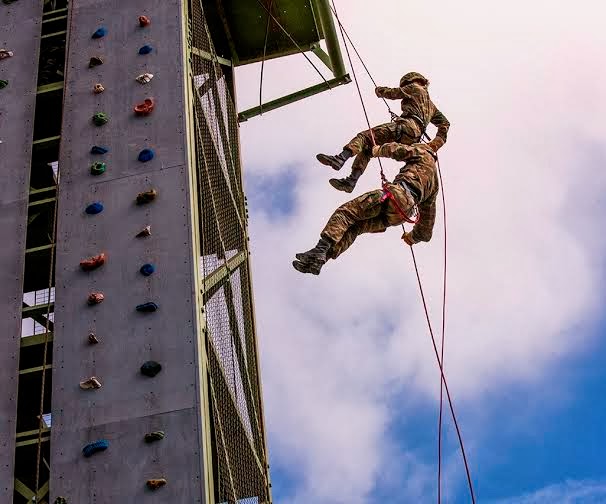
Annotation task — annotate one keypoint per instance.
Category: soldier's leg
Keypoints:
(362, 208)
(374, 225)
(361, 145)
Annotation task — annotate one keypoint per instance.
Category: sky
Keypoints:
(350, 381)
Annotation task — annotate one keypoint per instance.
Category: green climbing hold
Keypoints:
(60, 500)
(100, 118)
(3, 83)
(97, 168)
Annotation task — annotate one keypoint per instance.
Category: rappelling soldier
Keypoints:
(417, 112)
(411, 197)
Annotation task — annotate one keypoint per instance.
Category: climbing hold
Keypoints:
(146, 231)
(8, 2)
(97, 168)
(147, 269)
(5, 53)
(92, 338)
(100, 32)
(100, 118)
(93, 262)
(146, 155)
(154, 436)
(147, 307)
(144, 78)
(95, 298)
(60, 500)
(146, 49)
(155, 483)
(95, 149)
(90, 383)
(94, 208)
(97, 446)
(145, 108)
(144, 21)
(151, 368)
(146, 197)
(98, 88)
(3, 83)
(95, 61)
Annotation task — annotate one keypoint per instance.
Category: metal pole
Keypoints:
(322, 9)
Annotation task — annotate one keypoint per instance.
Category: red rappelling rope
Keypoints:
(439, 356)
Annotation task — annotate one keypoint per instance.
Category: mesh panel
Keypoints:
(239, 455)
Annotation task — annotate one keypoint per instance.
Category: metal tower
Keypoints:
(137, 380)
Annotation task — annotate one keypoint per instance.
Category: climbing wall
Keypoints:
(144, 320)
(20, 34)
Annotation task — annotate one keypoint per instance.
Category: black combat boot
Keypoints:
(318, 254)
(335, 162)
(346, 184)
(302, 267)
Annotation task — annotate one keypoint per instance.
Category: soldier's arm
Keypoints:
(443, 126)
(393, 150)
(389, 93)
(423, 229)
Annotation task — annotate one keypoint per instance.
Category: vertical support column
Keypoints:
(129, 403)
(19, 33)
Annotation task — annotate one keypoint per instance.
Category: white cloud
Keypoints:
(568, 492)
(523, 89)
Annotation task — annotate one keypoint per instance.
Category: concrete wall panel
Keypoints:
(20, 33)
(128, 402)
(120, 473)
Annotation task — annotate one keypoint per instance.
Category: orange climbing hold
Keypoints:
(145, 108)
(93, 262)
(144, 21)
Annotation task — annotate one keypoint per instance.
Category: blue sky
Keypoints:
(350, 380)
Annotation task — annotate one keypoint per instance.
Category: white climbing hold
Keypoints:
(144, 78)
(98, 88)
(5, 53)
(90, 383)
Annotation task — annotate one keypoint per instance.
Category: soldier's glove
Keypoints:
(435, 144)
(379, 90)
(408, 239)
(376, 150)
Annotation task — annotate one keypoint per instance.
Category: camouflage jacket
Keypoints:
(416, 102)
(420, 174)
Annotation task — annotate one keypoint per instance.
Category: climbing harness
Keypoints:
(439, 358)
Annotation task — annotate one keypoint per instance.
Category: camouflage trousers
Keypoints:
(365, 214)
(405, 131)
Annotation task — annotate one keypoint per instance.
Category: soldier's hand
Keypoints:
(408, 239)
(379, 90)
(376, 149)
(435, 144)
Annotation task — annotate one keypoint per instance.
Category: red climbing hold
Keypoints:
(95, 298)
(93, 262)
(144, 21)
(145, 108)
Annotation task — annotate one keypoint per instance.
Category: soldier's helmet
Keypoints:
(413, 76)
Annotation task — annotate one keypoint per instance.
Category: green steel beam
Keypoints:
(322, 10)
(214, 278)
(62, 32)
(44, 189)
(323, 57)
(47, 140)
(35, 339)
(294, 97)
(46, 88)
(208, 56)
(36, 369)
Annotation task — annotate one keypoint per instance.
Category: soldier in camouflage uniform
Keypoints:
(417, 112)
(416, 185)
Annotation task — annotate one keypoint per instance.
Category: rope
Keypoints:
(439, 358)
(443, 337)
(271, 3)
(300, 49)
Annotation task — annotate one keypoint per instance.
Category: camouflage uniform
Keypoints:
(416, 183)
(417, 112)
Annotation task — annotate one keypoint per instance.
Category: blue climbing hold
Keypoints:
(96, 149)
(146, 155)
(147, 269)
(146, 49)
(94, 208)
(100, 32)
(147, 307)
(90, 449)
